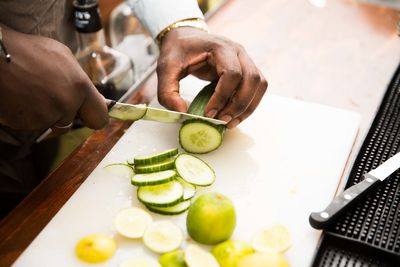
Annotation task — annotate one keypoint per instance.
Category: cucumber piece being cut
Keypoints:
(162, 166)
(128, 113)
(155, 158)
(194, 171)
(200, 136)
(162, 195)
(153, 178)
(179, 208)
(189, 190)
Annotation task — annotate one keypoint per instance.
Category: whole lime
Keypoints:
(228, 253)
(173, 259)
(211, 219)
(95, 248)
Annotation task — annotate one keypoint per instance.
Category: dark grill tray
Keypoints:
(368, 234)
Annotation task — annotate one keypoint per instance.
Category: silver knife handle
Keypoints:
(321, 220)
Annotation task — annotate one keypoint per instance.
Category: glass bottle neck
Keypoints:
(91, 41)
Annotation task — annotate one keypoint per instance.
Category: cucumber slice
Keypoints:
(197, 257)
(153, 178)
(120, 170)
(189, 190)
(194, 171)
(126, 112)
(179, 208)
(139, 262)
(162, 166)
(199, 136)
(163, 236)
(162, 195)
(132, 222)
(155, 158)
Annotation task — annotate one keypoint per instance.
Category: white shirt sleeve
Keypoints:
(156, 15)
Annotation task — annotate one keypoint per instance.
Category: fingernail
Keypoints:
(226, 118)
(233, 123)
(212, 113)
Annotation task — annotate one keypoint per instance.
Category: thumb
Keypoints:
(168, 86)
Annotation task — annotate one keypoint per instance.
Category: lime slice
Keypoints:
(140, 262)
(95, 248)
(197, 257)
(173, 259)
(162, 237)
(132, 222)
(274, 239)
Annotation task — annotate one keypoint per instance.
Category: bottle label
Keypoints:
(87, 19)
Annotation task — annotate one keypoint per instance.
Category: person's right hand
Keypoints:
(45, 87)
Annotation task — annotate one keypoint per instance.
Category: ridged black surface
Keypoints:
(371, 226)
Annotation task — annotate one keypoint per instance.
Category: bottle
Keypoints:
(111, 71)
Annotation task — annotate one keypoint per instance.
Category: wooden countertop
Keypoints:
(341, 55)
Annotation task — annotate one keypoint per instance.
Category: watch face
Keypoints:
(395, 4)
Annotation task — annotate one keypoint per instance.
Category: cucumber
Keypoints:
(125, 112)
(120, 170)
(189, 190)
(193, 170)
(162, 195)
(200, 136)
(179, 208)
(161, 166)
(153, 178)
(155, 158)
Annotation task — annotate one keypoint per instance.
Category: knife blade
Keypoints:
(123, 111)
(321, 220)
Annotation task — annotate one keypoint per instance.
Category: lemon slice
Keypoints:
(162, 237)
(197, 257)
(132, 222)
(274, 239)
(140, 262)
(95, 248)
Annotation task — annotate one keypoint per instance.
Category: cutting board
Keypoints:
(280, 164)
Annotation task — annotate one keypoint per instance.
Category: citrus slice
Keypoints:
(274, 239)
(162, 237)
(140, 262)
(197, 257)
(95, 248)
(174, 258)
(132, 222)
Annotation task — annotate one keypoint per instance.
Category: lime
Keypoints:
(228, 253)
(132, 222)
(274, 239)
(163, 236)
(95, 248)
(211, 219)
(263, 260)
(197, 257)
(139, 262)
(173, 259)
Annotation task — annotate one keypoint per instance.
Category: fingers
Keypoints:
(228, 67)
(260, 91)
(169, 73)
(93, 111)
(63, 125)
(245, 92)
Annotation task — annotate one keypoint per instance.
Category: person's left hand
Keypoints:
(209, 57)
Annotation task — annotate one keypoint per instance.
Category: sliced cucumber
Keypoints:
(126, 112)
(162, 195)
(163, 236)
(179, 208)
(120, 170)
(162, 166)
(199, 136)
(189, 190)
(194, 171)
(155, 158)
(153, 178)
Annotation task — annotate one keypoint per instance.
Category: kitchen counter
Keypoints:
(341, 55)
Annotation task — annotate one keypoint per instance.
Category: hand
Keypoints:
(45, 87)
(187, 51)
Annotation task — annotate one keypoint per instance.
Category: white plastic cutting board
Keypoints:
(279, 165)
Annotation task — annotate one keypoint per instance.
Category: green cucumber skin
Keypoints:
(160, 205)
(161, 212)
(197, 107)
(150, 168)
(156, 158)
(153, 182)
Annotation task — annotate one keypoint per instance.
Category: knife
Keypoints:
(123, 111)
(321, 220)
